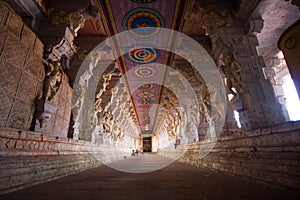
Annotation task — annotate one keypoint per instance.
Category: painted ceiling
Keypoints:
(129, 15)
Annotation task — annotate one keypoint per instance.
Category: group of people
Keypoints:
(134, 152)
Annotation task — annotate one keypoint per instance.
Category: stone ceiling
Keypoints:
(143, 82)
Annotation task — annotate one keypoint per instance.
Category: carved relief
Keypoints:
(119, 133)
(76, 20)
(81, 54)
(231, 69)
(53, 80)
(169, 100)
(108, 121)
(209, 14)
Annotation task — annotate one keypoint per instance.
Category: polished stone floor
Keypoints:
(176, 181)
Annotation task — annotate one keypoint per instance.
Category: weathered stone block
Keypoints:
(27, 88)
(3, 35)
(14, 51)
(42, 74)
(65, 128)
(10, 143)
(32, 136)
(28, 37)
(22, 135)
(67, 113)
(10, 77)
(4, 11)
(14, 24)
(60, 106)
(33, 65)
(38, 47)
(9, 133)
(58, 126)
(20, 115)
(5, 106)
(69, 94)
(51, 123)
(40, 89)
(31, 117)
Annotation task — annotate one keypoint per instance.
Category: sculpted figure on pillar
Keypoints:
(208, 102)
(194, 121)
(173, 124)
(97, 105)
(75, 20)
(108, 121)
(97, 109)
(107, 78)
(53, 80)
(85, 78)
(119, 133)
(231, 69)
(205, 102)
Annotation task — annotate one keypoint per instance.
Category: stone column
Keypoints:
(289, 44)
(257, 104)
(275, 71)
(230, 125)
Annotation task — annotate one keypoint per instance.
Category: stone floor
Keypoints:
(176, 181)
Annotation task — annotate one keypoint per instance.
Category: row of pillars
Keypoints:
(257, 105)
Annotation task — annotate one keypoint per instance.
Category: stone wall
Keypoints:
(58, 124)
(28, 158)
(268, 155)
(22, 75)
(21, 70)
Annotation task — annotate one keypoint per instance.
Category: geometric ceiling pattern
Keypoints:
(144, 65)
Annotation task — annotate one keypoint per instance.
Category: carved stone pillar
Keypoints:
(276, 70)
(289, 44)
(257, 104)
(86, 127)
(230, 125)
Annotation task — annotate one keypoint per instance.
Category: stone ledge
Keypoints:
(26, 174)
(19, 142)
(27, 158)
(270, 155)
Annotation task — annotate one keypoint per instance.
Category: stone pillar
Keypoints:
(86, 126)
(230, 125)
(258, 106)
(289, 44)
(275, 71)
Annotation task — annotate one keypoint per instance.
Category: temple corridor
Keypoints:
(206, 92)
(177, 181)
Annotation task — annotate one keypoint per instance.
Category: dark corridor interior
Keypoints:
(147, 144)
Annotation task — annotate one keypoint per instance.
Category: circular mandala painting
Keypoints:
(142, 54)
(145, 95)
(145, 101)
(144, 72)
(146, 86)
(142, 23)
(142, 1)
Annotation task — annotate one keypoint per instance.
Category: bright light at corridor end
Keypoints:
(170, 41)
